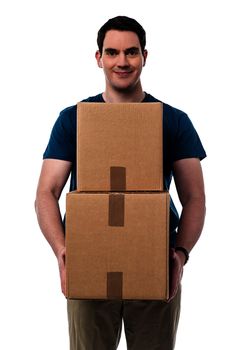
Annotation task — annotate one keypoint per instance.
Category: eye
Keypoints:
(132, 52)
(111, 52)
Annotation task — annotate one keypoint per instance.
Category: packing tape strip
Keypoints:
(116, 209)
(117, 178)
(114, 285)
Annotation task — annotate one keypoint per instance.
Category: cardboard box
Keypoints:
(117, 245)
(119, 147)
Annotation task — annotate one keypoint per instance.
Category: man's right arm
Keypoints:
(53, 177)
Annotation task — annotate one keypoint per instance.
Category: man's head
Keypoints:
(122, 53)
(121, 23)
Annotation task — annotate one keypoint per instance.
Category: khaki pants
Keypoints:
(149, 325)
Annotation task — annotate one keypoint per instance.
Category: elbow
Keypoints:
(204, 204)
(39, 200)
(202, 200)
(197, 198)
(36, 203)
(43, 197)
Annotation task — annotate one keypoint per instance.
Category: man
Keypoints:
(96, 324)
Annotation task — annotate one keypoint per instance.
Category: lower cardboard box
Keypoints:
(117, 245)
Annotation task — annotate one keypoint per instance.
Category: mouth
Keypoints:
(123, 74)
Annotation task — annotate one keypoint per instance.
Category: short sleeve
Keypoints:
(187, 143)
(62, 142)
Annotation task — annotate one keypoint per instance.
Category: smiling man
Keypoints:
(149, 325)
(122, 60)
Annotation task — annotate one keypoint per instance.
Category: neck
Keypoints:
(113, 96)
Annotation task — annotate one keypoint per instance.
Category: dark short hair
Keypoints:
(122, 23)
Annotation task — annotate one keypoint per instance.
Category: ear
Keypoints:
(145, 53)
(98, 59)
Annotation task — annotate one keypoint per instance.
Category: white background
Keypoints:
(47, 63)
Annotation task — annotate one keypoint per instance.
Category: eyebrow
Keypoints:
(112, 50)
(109, 49)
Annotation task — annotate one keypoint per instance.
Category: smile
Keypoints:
(123, 74)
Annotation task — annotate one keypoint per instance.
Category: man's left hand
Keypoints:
(177, 260)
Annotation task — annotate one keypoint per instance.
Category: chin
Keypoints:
(124, 88)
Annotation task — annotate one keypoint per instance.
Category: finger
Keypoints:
(63, 281)
(173, 292)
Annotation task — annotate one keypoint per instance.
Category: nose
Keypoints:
(122, 60)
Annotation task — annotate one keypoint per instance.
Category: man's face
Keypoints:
(122, 60)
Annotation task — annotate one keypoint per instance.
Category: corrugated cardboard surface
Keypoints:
(117, 245)
(119, 146)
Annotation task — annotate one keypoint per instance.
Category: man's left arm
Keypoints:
(190, 188)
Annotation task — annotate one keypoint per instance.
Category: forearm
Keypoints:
(191, 222)
(50, 221)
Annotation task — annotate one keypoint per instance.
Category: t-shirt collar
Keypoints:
(101, 99)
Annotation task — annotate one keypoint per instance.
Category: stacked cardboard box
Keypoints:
(117, 222)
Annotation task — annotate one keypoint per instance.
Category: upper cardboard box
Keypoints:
(119, 147)
(117, 245)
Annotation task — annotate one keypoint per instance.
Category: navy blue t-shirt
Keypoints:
(180, 140)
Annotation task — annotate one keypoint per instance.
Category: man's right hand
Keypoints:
(61, 258)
